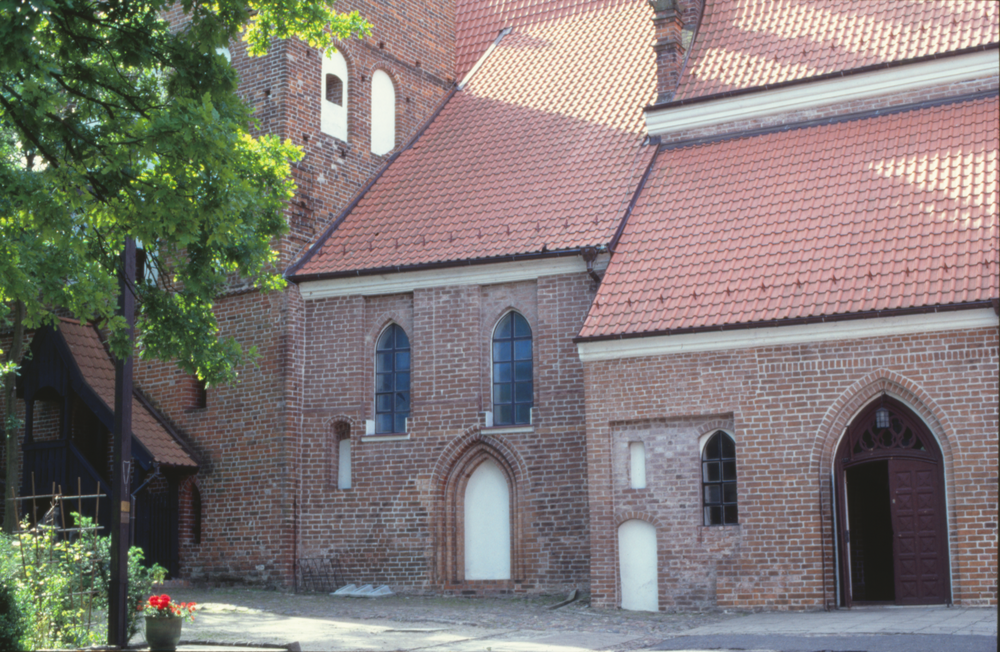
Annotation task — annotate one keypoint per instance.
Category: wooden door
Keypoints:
(919, 547)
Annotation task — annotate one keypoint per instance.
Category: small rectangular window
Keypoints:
(637, 464)
(344, 464)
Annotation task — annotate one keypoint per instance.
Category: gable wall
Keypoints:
(397, 524)
(779, 402)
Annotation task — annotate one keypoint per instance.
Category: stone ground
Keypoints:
(323, 623)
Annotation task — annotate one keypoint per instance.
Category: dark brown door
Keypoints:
(889, 455)
(920, 557)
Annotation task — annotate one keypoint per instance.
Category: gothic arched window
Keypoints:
(513, 391)
(718, 480)
(392, 381)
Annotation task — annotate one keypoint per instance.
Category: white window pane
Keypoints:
(344, 464)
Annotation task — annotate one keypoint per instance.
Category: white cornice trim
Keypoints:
(670, 120)
(638, 347)
(488, 274)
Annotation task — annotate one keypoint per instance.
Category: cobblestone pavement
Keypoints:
(435, 624)
(322, 622)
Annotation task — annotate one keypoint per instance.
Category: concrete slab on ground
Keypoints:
(862, 620)
(848, 643)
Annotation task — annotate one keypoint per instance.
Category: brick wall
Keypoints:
(400, 523)
(245, 448)
(248, 433)
(413, 43)
(787, 407)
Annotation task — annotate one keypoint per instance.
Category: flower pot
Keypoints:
(163, 633)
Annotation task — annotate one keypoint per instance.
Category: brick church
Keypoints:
(690, 304)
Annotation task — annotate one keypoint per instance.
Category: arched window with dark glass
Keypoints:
(334, 89)
(718, 480)
(392, 381)
(513, 391)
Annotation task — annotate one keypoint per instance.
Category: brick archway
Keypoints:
(450, 477)
(838, 417)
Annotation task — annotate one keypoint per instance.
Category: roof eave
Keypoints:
(817, 78)
(415, 267)
(798, 321)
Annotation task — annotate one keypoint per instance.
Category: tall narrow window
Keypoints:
(333, 115)
(718, 480)
(392, 381)
(513, 392)
(344, 464)
(342, 432)
(383, 113)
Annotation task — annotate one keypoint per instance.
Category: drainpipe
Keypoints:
(589, 256)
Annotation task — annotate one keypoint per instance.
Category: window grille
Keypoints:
(718, 480)
(513, 390)
(392, 381)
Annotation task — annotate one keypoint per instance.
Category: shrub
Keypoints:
(60, 586)
(11, 619)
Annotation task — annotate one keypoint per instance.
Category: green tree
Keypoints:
(115, 123)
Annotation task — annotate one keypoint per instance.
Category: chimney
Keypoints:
(668, 23)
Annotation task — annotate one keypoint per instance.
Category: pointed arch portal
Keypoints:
(892, 531)
(487, 524)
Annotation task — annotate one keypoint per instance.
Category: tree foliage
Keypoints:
(115, 123)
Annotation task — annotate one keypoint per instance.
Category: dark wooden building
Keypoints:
(67, 385)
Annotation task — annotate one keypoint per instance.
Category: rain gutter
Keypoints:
(393, 269)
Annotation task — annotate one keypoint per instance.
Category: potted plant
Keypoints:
(164, 618)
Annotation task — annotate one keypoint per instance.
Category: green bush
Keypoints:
(60, 587)
(11, 618)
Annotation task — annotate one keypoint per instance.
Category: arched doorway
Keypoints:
(637, 565)
(487, 524)
(892, 532)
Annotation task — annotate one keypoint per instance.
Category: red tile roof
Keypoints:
(749, 43)
(884, 213)
(99, 371)
(541, 150)
(477, 22)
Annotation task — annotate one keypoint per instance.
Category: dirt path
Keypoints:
(321, 622)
